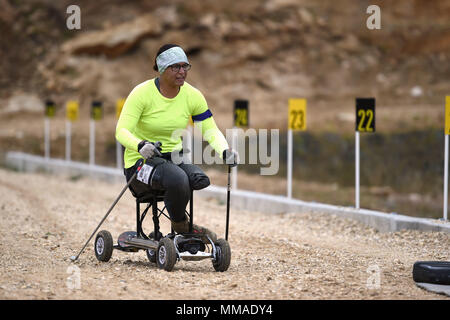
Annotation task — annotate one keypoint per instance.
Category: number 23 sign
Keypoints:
(365, 114)
(297, 114)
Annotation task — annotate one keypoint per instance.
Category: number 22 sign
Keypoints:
(365, 114)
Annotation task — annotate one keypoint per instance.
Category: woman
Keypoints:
(152, 112)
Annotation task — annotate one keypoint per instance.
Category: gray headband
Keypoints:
(169, 57)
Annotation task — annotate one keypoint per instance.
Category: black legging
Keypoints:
(175, 181)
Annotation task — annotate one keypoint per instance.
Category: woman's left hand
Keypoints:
(231, 157)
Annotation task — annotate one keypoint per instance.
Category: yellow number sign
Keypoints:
(50, 109)
(241, 113)
(365, 114)
(297, 114)
(72, 110)
(119, 107)
(447, 115)
(96, 110)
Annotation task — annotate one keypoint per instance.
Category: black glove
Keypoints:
(231, 157)
(149, 150)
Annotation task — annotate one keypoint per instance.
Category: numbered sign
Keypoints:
(365, 114)
(119, 107)
(49, 109)
(241, 113)
(447, 115)
(297, 114)
(96, 111)
(72, 110)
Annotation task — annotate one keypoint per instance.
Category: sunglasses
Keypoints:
(177, 67)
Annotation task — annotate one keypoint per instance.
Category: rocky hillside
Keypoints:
(264, 51)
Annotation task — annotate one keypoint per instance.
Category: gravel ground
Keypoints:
(46, 219)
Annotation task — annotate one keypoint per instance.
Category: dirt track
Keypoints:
(46, 219)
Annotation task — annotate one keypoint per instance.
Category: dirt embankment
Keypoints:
(263, 51)
(46, 219)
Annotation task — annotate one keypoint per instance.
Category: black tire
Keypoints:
(437, 272)
(166, 255)
(151, 255)
(103, 246)
(223, 256)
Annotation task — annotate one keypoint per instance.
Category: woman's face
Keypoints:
(176, 74)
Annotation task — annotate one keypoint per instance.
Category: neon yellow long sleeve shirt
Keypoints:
(148, 115)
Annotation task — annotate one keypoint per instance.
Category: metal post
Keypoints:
(68, 139)
(190, 144)
(234, 170)
(357, 170)
(446, 178)
(92, 143)
(47, 138)
(289, 165)
(119, 155)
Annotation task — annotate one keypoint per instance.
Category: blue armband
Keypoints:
(202, 116)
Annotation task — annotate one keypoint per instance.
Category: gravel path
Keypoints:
(46, 219)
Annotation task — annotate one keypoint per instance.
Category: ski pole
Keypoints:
(228, 203)
(74, 258)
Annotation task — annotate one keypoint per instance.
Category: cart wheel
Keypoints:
(103, 246)
(166, 254)
(151, 255)
(223, 256)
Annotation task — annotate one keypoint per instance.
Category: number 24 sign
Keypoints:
(241, 113)
(365, 114)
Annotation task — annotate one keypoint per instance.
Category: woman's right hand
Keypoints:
(148, 150)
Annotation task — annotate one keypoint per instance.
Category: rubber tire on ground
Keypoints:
(151, 254)
(166, 255)
(103, 246)
(436, 272)
(223, 256)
